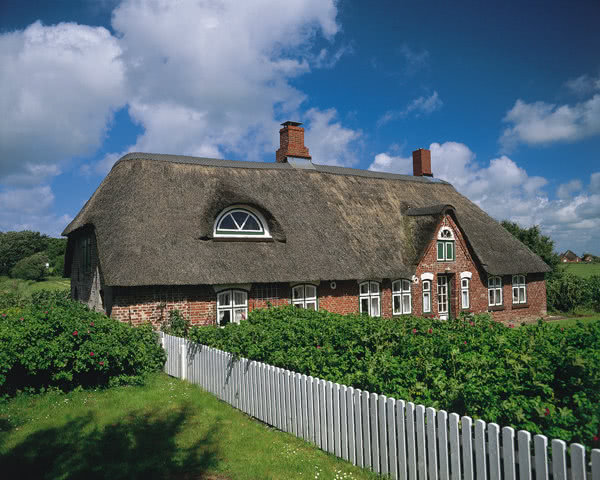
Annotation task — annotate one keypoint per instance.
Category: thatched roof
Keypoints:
(153, 217)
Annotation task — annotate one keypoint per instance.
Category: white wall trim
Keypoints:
(427, 276)
(468, 275)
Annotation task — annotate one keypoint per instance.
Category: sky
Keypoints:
(506, 95)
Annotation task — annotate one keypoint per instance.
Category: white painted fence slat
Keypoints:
(350, 427)
(298, 405)
(454, 447)
(467, 447)
(540, 450)
(316, 410)
(383, 444)
(311, 415)
(323, 412)
(421, 452)
(358, 435)
(508, 452)
(596, 464)
(304, 392)
(559, 460)
(344, 421)
(524, 444)
(411, 444)
(578, 469)
(366, 430)
(401, 437)
(337, 416)
(442, 428)
(494, 451)
(374, 425)
(392, 438)
(432, 444)
(293, 411)
(330, 414)
(480, 450)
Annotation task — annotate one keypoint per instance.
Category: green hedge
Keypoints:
(541, 378)
(55, 342)
(566, 292)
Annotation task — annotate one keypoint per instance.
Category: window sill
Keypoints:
(520, 305)
(242, 239)
(465, 310)
(496, 308)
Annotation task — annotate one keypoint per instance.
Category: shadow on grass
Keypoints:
(142, 445)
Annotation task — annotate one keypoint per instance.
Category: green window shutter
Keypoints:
(450, 251)
(440, 250)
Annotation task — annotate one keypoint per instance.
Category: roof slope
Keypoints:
(153, 217)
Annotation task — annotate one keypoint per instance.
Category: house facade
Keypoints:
(570, 257)
(216, 239)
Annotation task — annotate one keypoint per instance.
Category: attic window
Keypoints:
(241, 222)
(445, 245)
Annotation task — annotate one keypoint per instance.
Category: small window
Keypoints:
(305, 296)
(401, 300)
(445, 245)
(426, 296)
(232, 307)
(240, 222)
(464, 293)
(494, 291)
(519, 289)
(369, 299)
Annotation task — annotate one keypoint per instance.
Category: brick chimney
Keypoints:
(422, 163)
(291, 139)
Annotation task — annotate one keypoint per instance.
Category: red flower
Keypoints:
(414, 331)
(4, 315)
(92, 324)
(430, 331)
(471, 323)
(562, 329)
(100, 363)
(547, 412)
(318, 347)
(75, 333)
(465, 342)
(511, 326)
(91, 354)
(595, 438)
(22, 319)
(46, 312)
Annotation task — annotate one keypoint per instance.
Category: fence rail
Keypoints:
(391, 437)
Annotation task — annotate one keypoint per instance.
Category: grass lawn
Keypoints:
(27, 287)
(570, 322)
(165, 429)
(583, 269)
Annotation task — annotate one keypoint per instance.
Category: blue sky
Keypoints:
(505, 94)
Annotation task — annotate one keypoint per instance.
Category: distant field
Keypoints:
(27, 287)
(583, 269)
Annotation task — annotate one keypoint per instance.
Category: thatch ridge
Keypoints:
(153, 218)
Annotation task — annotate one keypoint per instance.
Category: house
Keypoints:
(569, 257)
(218, 238)
(587, 257)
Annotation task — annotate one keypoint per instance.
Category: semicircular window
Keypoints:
(240, 222)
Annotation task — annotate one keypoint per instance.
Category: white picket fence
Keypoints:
(391, 437)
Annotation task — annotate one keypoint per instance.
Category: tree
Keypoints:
(15, 246)
(539, 244)
(31, 268)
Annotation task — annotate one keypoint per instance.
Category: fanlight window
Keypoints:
(240, 222)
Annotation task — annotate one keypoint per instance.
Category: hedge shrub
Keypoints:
(55, 342)
(541, 378)
(566, 292)
(31, 268)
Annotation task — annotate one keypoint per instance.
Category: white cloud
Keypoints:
(415, 60)
(419, 106)
(504, 190)
(329, 142)
(583, 85)
(543, 123)
(60, 86)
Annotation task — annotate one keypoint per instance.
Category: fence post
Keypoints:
(182, 358)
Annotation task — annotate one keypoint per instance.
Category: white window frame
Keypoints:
(263, 232)
(495, 291)
(519, 287)
(443, 282)
(465, 300)
(426, 287)
(303, 299)
(372, 293)
(233, 307)
(401, 290)
(446, 238)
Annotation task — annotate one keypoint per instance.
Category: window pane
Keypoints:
(515, 294)
(227, 223)
(224, 317)
(252, 225)
(522, 294)
(240, 298)
(465, 299)
(440, 252)
(426, 302)
(239, 314)
(239, 217)
(405, 303)
(396, 286)
(298, 292)
(224, 299)
(397, 309)
(465, 283)
(311, 291)
(374, 306)
(311, 305)
(406, 285)
(364, 305)
(426, 286)
(374, 288)
(364, 288)
(491, 297)
(299, 304)
(449, 251)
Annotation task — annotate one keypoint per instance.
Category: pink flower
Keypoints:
(471, 323)
(562, 329)
(318, 347)
(3, 315)
(547, 412)
(465, 342)
(92, 324)
(430, 331)
(595, 438)
(100, 363)
(414, 331)
(75, 333)
(91, 354)
(46, 312)
(511, 326)
(21, 319)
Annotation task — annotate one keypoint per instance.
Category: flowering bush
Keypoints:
(534, 377)
(60, 343)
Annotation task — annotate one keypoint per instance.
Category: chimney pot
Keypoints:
(291, 142)
(422, 163)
